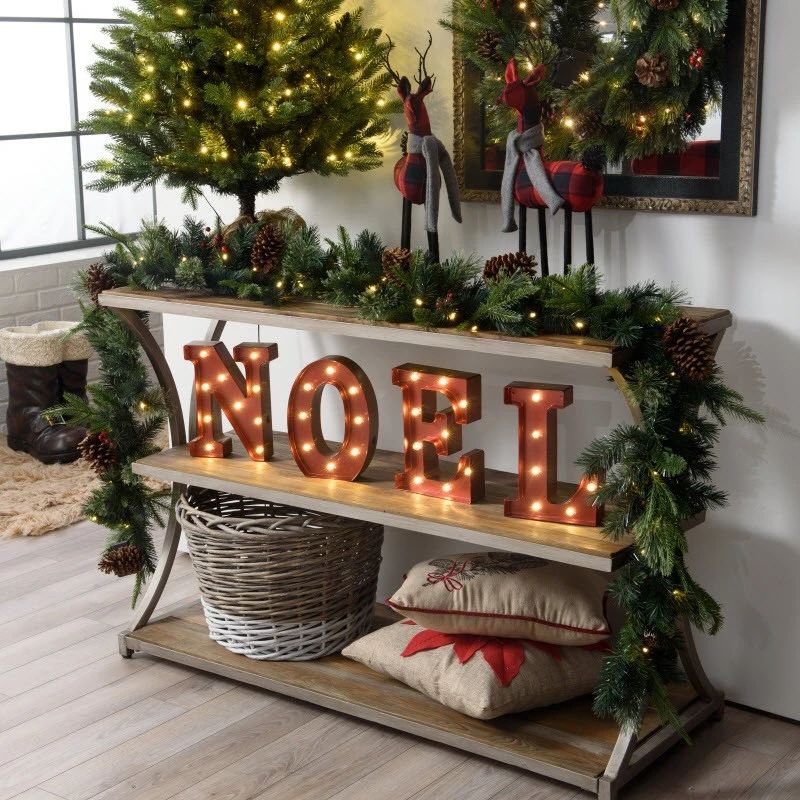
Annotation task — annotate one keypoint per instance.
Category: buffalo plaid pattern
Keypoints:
(581, 188)
(411, 176)
(699, 160)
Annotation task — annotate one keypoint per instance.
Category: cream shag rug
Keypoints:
(37, 498)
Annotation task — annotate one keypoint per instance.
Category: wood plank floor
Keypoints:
(77, 722)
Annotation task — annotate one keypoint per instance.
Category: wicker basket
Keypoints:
(280, 583)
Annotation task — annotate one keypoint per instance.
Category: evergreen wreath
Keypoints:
(647, 92)
(658, 473)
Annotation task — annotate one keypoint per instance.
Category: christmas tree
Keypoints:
(237, 94)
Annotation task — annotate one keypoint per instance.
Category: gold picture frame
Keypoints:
(742, 81)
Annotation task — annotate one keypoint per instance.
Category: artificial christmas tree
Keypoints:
(205, 93)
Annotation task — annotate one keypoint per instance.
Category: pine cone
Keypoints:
(690, 349)
(268, 249)
(99, 450)
(509, 264)
(98, 279)
(488, 44)
(652, 70)
(394, 260)
(664, 5)
(121, 560)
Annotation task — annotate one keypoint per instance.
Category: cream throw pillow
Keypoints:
(506, 594)
(475, 687)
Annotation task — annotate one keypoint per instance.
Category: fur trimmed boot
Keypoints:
(42, 364)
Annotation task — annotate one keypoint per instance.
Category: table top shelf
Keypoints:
(374, 498)
(324, 318)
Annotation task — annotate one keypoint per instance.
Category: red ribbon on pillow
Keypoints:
(505, 657)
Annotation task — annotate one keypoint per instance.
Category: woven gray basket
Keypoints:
(279, 583)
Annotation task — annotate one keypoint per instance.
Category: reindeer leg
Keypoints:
(433, 247)
(523, 229)
(589, 237)
(567, 239)
(405, 234)
(543, 241)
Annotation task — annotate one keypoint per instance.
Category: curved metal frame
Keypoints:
(177, 432)
(629, 756)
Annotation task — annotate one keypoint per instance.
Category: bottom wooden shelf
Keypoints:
(565, 742)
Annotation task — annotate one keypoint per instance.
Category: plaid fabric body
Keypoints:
(581, 188)
(410, 177)
(699, 160)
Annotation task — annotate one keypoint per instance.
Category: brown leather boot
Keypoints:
(31, 391)
(72, 378)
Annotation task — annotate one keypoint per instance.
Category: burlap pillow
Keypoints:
(476, 686)
(506, 594)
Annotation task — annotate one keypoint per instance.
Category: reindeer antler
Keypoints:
(422, 71)
(386, 63)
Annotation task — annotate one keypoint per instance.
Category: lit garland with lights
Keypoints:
(127, 414)
(657, 474)
(646, 91)
(236, 95)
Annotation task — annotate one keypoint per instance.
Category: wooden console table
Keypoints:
(564, 742)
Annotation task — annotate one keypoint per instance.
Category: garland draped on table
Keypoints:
(658, 472)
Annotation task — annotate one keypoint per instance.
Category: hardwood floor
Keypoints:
(77, 722)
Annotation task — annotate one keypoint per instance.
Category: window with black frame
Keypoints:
(46, 49)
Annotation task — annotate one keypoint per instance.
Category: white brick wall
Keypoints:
(34, 294)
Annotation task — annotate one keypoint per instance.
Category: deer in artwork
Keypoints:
(418, 174)
(535, 183)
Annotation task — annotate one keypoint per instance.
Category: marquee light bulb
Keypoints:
(570, 512)
(537, 470)
(308, 447)
(447, 488)
(355, 451)
(468, 471)
(258, 421)
(415, 412)
(415, 376)
(536, 435)
(330, 466)
(353, 390)
(416, 446)
(207, 418)
(536, 397)
(330, 370)
(536, 506)
(205, 386)
(443, 381)
(591, 486)
(222, 377)
(203, 354)
(238, 405)
(307, 387)
(260, 449)
(303, 415)
(359, 420)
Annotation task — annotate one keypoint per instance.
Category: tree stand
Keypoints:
(405, 235)
(523, 236)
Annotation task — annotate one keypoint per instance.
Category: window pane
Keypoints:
(86, 35)
(123, 209)
(100, 9)
(26, 8)
(37, 193)
(34, 90)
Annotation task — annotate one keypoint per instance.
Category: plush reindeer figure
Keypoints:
(417, 173)
(536, 183)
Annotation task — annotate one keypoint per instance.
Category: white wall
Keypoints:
(749, 554)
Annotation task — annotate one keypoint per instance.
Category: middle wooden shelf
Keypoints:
(374, 498)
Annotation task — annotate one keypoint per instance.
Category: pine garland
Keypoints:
(647, 91)
(124, 409)
(658, 473)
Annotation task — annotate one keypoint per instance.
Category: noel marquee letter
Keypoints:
(538, 407)
(244, 401)
(429, 433)
(309, 448)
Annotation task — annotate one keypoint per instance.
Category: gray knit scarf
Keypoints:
(439, 163)
(527, 146)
